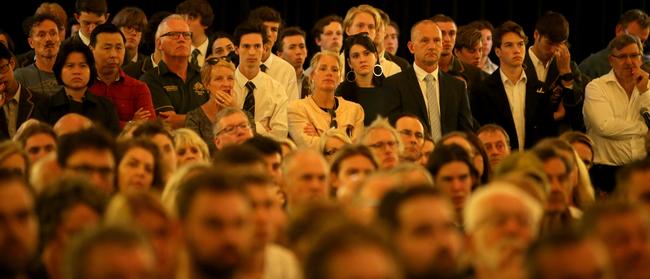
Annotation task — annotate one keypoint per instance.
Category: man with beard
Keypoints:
(18, 225)
(500, 222)
(421, 221)
(557, 169)
(306, 178)
(624, 229)
(411, 131)
(44, 39)
(131, 97)
(215, 216)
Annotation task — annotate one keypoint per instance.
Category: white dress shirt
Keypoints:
(203, 49)
(284, 73)
(613, 121)
(489, 66)
(270, 103)
(83, 38)
(421, 74)
(540, 68)
(516, 92)
(280, 263)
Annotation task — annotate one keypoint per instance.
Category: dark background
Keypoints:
(592, 22)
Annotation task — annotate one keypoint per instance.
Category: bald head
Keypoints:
(305, 174)
(426, 44)
(70, 123)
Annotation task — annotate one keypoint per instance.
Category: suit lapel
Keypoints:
(414, 87)
(444, 99)
(26, 106)
(498, 94)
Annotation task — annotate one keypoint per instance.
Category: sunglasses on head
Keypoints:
(215, 60)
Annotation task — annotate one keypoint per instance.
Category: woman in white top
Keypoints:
(312, 116)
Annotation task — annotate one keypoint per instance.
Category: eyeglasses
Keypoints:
(232, 128)
(215, 60)
(382, 144)
(333, 123)
(633, 56)
(409, 133)
(177, 35)
(4, 68)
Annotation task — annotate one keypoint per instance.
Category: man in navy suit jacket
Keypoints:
(410, 85)
(510, 99)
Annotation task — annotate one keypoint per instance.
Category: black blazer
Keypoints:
(26, 109)
(572, 99)
(98, 109)
(490, 105)
(455, 113)
(137, 69)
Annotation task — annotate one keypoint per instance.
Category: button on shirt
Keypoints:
(516, 93)
(280, 70)
(540, 68)
(170, 93)
(270, 103)
(613, 121)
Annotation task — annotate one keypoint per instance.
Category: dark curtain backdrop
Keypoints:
(592, 21)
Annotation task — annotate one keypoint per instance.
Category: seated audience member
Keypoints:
(500, 223)
(89, 14)
(160, 135)
(231, 126)
(145, 211)
(136, 70)
(305, 176)
(633, 183)
(199, 17)
(223, 47)
(131, 97)
(349, 167)
(496, 142)
(176, 182)
(453, 173)
(526, 171)
(312, 116)
(364, 78)
(115, 251)
(19, 231)
(474, 148)
(37, 140)
(239, 158)
(13, 158)
(623, 228)
(328, 33)
(218, 76)
(189, 147)
(175, 84)
(65, 210)
(75, 70)
(208, 199)
(44, 37)
(292, 48)
(331, 142)
(131, 21)
(427, 148)
(352, 251)
(71, 123)
(41, 172)
(583, 145)
(89, 154)
(391, 41)
(272, 152)
(139, 167)
(422, 223)
(410, 174)
(364, 199)
(384, 141)
(568, 255)
(412, 133)
(17, 102)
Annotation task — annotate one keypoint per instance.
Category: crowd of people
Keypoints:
(138, 146)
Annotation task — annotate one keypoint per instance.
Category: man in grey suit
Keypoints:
(438, 99)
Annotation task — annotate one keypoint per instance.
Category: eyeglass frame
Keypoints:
(233, 128)
(177, 34)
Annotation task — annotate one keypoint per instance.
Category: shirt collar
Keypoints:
(537, 61)
(203, 47)
(83, 38)
(505, 79)
(17, 95)
(421, 73)
(242, 80)
(269, 61)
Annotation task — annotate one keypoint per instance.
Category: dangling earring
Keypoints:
(378, 70)
(350, 79)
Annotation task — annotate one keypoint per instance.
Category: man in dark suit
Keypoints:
(17, 103)
(439, 100)
(509, 98)
(549, 61)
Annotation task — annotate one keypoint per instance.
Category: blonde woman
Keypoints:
(331, 142)
(13, 158)
(189, 147)
(309, 118)
(218, 76)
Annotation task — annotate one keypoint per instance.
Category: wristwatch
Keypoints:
(567, 77)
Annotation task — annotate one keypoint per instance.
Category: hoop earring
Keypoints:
(350, 79)
(378, 70)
